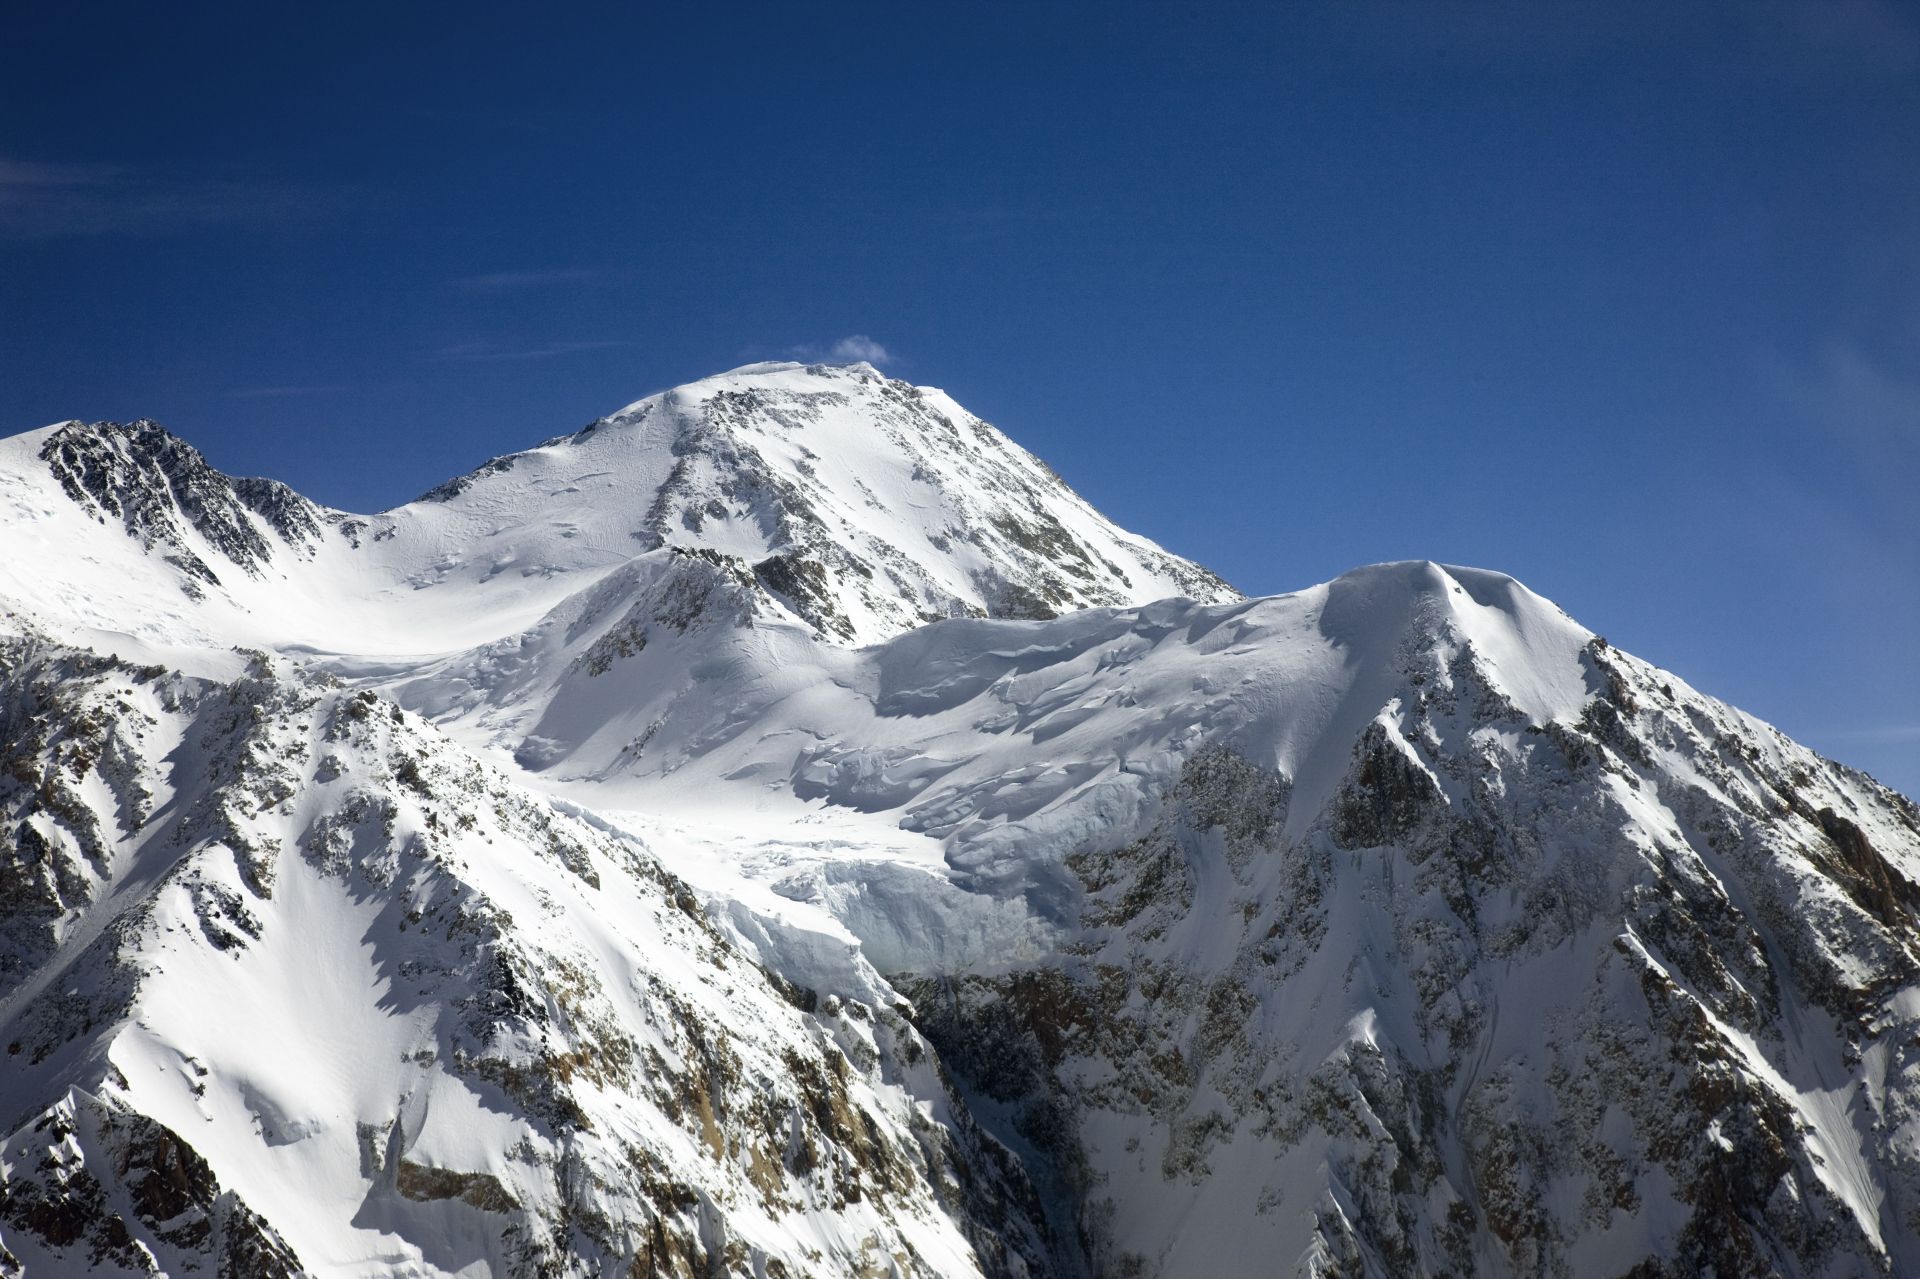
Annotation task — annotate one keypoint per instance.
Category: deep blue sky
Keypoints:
(1622, 298)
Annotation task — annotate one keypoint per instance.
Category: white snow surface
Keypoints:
(915, 492)
(916, 728)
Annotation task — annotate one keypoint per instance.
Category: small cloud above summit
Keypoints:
(861, 347)
(846, 350)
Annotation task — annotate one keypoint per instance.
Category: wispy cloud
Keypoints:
(491, 351)
(846, 350)
(1841, 36)
(1861, 738)
(1865, 404)
(859, 346)
(1774, 40)
(1857, 405)
(1868, 401)
(511, 281)
(278, 392)
(1883, 735)
(40, 200)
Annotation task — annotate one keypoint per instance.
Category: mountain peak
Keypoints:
(1395, 925)
(767, 375)
(157, 486)
(782, 366)
(865, 505)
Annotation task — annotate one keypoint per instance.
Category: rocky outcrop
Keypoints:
(744, 459)
(1397, 926)
(89, 1186)
(650, 1096)
(159, 488)
(1485, 1011)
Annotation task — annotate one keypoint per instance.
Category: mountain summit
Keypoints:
(861, 505)
(865, 505)
(779, 829)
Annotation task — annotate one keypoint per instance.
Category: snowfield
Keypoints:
(781, 830)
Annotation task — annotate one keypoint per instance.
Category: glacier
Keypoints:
(781, 829)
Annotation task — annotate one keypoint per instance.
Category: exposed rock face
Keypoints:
(159, 487)
(867, 505)
(93, 1187)
(862, 506)
(1516, 1001)
(503, 885)
(650, 1096)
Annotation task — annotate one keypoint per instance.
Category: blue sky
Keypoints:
(1621, 298)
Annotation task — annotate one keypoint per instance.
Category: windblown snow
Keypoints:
(780, 829)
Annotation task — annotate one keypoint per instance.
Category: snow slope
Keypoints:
(607, 862)
(380, 1011)
(863, 506)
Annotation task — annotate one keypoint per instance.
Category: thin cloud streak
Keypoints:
(1863, 407)
(1867, 402)
(41, 200)
(278, 392)
(485, 351)
(511, 281)
(1886, 734)
(1790, 41)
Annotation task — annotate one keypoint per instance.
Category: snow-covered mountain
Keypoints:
(782, 830)
(861, 506)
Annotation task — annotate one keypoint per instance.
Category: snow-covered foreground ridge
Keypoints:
(781, 830)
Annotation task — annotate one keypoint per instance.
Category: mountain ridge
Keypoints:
(1398, 925)
(748, 463)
